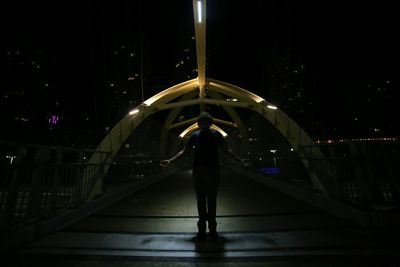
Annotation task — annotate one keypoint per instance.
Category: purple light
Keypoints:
(270, 170)
(53, 119)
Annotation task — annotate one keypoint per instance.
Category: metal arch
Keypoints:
(194, 127)
(175, 112)
(286, 126)
(289, 129)
(296, 136)
(120, 132)
(172, 93)
(235, 117)
(170, 119)
(117, 136)
(233, 91)
(199, 15)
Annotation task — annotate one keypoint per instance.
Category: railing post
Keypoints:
(57, 170)
(80, 185)
(16, 169)
(37, 183)
(359, 173)
(392, 171)
(12, 195)
(54, 187)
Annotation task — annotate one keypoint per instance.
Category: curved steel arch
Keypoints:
(194, 127)
(175, 112)
(287, 127)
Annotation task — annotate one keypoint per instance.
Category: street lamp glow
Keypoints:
(271, 107)
(199, 11)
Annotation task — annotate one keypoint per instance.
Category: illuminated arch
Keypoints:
(185, 92)
(175, 112)
(287, 127)
(194, 127)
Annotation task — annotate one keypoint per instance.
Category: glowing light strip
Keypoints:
(271, 107)
(216, 128)
(133, 112)
(199, 12)
(182, 87)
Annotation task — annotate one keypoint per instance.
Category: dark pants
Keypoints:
(206, 180)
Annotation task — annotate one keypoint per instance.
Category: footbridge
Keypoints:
(298, 202)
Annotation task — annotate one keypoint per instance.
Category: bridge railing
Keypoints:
(283, 167)
(30, 192)
(130, 168)
(364, 173)
(40, 181)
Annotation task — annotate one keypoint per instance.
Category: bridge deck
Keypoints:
(255, 222)
(243, 205)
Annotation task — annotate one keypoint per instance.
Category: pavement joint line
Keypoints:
(187, 245)
(218, 216)
(237, 255)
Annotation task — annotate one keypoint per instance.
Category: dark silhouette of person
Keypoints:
(205, 144)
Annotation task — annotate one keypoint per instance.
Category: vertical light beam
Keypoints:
(199, 11)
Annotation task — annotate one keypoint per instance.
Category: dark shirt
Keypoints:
(205, 144)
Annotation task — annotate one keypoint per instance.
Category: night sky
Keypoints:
(70, 69)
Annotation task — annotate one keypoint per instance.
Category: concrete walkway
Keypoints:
(258, 226)
(243, 205)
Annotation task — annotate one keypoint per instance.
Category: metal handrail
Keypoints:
(363, 176)
(32, 191)
(20, 144)
(39, 181)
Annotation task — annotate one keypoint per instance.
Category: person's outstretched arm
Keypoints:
(166, 162)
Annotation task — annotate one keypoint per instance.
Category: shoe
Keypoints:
(201, 236)
(213, 235)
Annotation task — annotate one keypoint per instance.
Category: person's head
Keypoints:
(204, 120)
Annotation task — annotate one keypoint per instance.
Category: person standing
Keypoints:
(205, 144)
